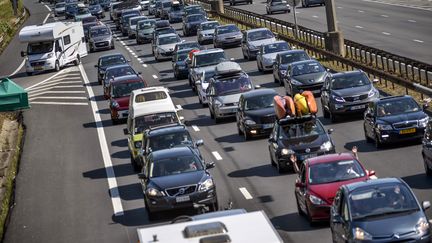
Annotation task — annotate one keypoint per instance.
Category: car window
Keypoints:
(259, 102)
(231, 85)
(259, 35)
(397, 107)
(95, 32)
(209, 26)
(145, 122)
(169, 40)
(294, 57)
(195, 18)
(125, 89)
(343, 170)
(175, 165)
(299, 130)
(350, 81)
(170, 140)
(209, 59)
(112, 60)
(150, 96)
(276, 47)
(307, 68)
(227, 29)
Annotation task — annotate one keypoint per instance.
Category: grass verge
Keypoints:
(9, 24)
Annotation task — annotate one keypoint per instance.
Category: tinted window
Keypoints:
(260, 35)
(112, 60)
(125, 89)
(276, 47)
(294, 57)
(231, 85)
(149, 96)
(169, 40)
(175, 166)
(166, 4)
(145, 122)
(307, 68)
(259, 102)
(66, 40)
(99, 32)
(116, 72)
(89, 20)
(40, 47)
(170, 140)
(209, 26)
(227, 29)
(195, 18)
(188, 46)
(305, 129)
(209, 59)
(396, 107)
(335, 171)
(350, 81)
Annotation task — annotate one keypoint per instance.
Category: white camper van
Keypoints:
(53, 45)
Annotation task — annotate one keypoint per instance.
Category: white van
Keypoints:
(53, 45)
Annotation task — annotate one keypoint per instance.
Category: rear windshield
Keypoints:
(294, 57)
(157, 95)
(125, 89)
(307, 68)
(112, 60)
(227, 29)
(99, 32)
(233, 85)
(260, 35)
(153, 120)
(195, 18)
(276, 47)
(169, 40)
(209, 26)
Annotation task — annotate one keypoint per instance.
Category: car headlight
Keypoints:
(50, 55)
(153, 192)
(238, 36)
(249, 122)
(160, 50)
(373, 92)
(422, 226)
(326, 146)
(115, 104)
(360, 234)
(138, 144)
(218, 103)
(206, 185)
(384, 127)
(286, 151)
(316, 200)
(295, 82)
(423, 122)
(337, 98)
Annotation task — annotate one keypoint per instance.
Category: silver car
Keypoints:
(152, 7)
(100, 37)
(206, 31)
(133, 24)
(59, 9)
(253, 39)
(277, 6)
(164, 46)
(267, 54)
(225, 89)
(145, 29)
(203, 61)
(227, 35)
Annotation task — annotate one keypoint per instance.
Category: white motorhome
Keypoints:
(53, 45)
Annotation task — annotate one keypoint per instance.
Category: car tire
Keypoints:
(325, 112)
(249, 58)
(279, 168)
(275, 79)
(246, 136)
(367, 138)
(299, 210)
(113, 47)
(57, 66)
(271, 160)
(260, 67)
(152, 216)
(214, 207)
(239, 131)
(428, 170)
(211, 114)
(217, 119)
(114, 121)
(308, 216)
(280, 82)
(78, 60)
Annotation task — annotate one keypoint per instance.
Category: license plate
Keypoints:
(307, 156)
(124, 114)
(358, 107)
(37, 68)
(270, 125)
(182, 199)
(407, 131)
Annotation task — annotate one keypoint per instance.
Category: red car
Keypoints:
(119, 91)
(320, 178)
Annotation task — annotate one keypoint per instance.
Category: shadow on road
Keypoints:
(131, 192)
(120, 143)
(138, 217)
(369, 147)
(419, 181)
(294, 222)
(124, 154)
(261, 171)
(100, 173)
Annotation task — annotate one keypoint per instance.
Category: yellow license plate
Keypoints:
(38, 68)
(406, 131)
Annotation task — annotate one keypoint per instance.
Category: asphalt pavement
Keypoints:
(62, 190)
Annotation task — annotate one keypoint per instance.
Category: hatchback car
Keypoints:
(319, 179)
(107, 61)
(179, 63)
(227, 35)
(176, 13)
(206, 31)
(346, 93)
(144, 31)
(256, 114)
(282, 61)
(304, 75)
(427, 149)
(191, 23)
(164, 46)
(81, 13)
(304, 137)
(277, 6)
(100, 38)
(382, 210)
(165, 9)
(203, 61)
(132, 26)
(97, 11)
(392, 119)
(253, 39)
(161, 31)
(267, 53)
(116, 71)
(176, 178)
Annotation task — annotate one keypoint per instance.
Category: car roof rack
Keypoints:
(296, 120)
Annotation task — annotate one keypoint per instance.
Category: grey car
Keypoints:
(206, 31)
(144, 31)
(225, 89)
(234, 2)
(176, 13)
(227, 35)
(347, 93)
(267, 54)
(165, 9)
(164, 46)
(59, 9)
(283, 59)
(100, 37)
(307, 3)
(133, 24)
(304, 75)
(203, 61)
(253, 39)
(277, 6)
(124, 26)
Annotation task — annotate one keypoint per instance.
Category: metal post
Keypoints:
(334, 38)
(295, 22)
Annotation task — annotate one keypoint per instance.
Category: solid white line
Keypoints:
(195, 128)
(49, 9)
(55, 92)
(43, 81)
(245, 193)
(217, 155)
(411, 21)
(46, 85)
(57, 103)
(112, 182)
(398, 5)
(359, 27)
(385, 16)
(419, 41)
(386, 33)
(46, 18)
(122, 42)
(19, 68)
(154, 76)
(59, 98)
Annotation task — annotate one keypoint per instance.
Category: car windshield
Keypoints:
(227, 29)
(176, 8)
(381, 200)
(71, 7)
(301, 130)
(307, 68)
(175, 165)
(260, 35)
(95, 7)
(397, 107)
(276, 47)
(166, 31)
(278, 2)
(170, 140)
(232, 85)
(112, 60)
(166, 4)
(196, 10)
(89, 20)
(125, 89)
(169, 40)
(350, 81)
(209, 59)
(259, 102)
(146, 25)
(195, 18)
(209, 26)
(39, 47)
(294, 57)
(116, 72)
(95, 32)
(126, 18)
(82, 11)
(153, 120)
(150, 96)
(60, 5)
(190, 45)
(207, 75)
(335, 171)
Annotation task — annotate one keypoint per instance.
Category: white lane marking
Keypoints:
(46, 85)
(46, 80)
(139, 59)
(195, 128)
(112, 181)
(340, 7)
(57, 103)
(385, 33)
(385, 16)
(145, 65)
(59, 98)
(398, 5)
(122, 42)
(49, 9)
(133, 54)
(360, 11)
(245, 193)
(46, 18)
(419, 41)
(412, 21)
(359, 27)
(154, 76)
(179, 107)
(314, 16)
(19, 68)
(56, 92)
(217, 155)
(67, 86)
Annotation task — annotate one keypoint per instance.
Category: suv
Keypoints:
(203, 61)
(253, 39)
(346, 93)
(394, 118)
(225, 89)
(283, 59)
(304, 75)
(277, 6)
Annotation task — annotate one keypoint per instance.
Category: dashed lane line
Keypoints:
(144, 65)
(385, 16)
(179, 107)
(195, 128)
(359, 27)
(360, 11)
(49, 9)
(419, 41)
(385, 33)
(245, 193)
(154, 76)
(412, 21)
(217, 155)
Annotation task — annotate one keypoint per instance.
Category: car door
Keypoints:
(209, 92)
(244, 43)
(301, 192)
(259, 55)
(240, 113)
(273, 146)
(427, 144)
(337, 227)
(325, 94)
(276, 67)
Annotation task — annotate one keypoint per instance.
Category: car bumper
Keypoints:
(40, 65)
(165, 55)
(157, 204)
(121, 113)
(145, 38)
(259, 129)
(396, 136)
(206, 38)
(225, 111)
(103, 45)
(279, 8)
(348, 108)
(229, 42)
(284, 160)
(319, 212)
(314, 88)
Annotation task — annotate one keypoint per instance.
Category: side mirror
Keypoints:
(139, 73)
(96, 66)
(330, 131)
(199, 142)
(368, 115)
(371, 173)
(426, 205)
(23, 53)
(328, 70)
(197, 83)
(142, 176)
(125, 131)
(336, 219)
(257, 86)
(425, 106)
(299, 184)
(210, 165)
(271, 140)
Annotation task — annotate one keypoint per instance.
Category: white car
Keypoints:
(202, 85)
(59, 9)
(164, 46)
(267, 54)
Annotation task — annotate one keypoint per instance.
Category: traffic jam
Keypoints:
(332, 184)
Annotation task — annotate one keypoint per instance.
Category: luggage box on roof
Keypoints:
(226, 68)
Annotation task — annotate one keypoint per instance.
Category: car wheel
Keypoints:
(325, 112)
(57, 66)
(211, 114)
(279, 168)
(100, 81)
(216, 119)
(280, 82)
(246, 136)
(214, 207)
(309, 217)
(151, 215)
(113, 47)
(77, 61)
(271, 160)
(114, 120)
(239, 131)
(275, 79)
(428, 170)
(367, 138)
(249, 56)
(299, 210)
(260, 67)
(377, 142)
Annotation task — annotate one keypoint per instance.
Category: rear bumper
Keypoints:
(395, 136)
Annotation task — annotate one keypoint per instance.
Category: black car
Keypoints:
(176, 13)
(164, 137)
(70, 10)
(97, 10)
(304, 75)
(108, 60)
(305, 137)
(177, 178)
(346, 93)
(179, 63)
(162, 24)
(381, 210)
(256, 114)
(393, 119)
(282, 61)
(427, 149)
(191, 23)
(187, 45)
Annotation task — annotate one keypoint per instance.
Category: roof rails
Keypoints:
(297, 120)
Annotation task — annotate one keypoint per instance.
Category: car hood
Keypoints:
(302, 143)
(402, 117)
(328, 191)
(310, 78)
(177, 13)
(386, 226)
(232, 98)
(122, 101)
(101, 38)
(38, 57)
(96, 11)
(353, 91)
(165, 182)
(195, 22)
(258, 43)
(204, 86)
(207, 32)
(257, 114)
(132, 27)
(59, 9)
(228, 35)
(270, 56)
(168, 47)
